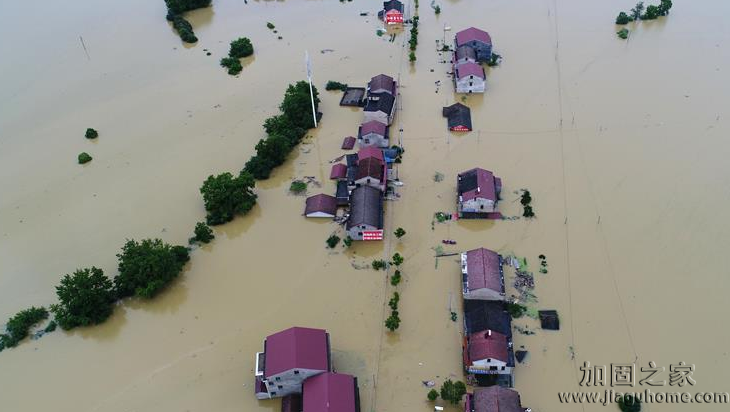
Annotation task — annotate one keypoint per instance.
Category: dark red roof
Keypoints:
(296, 348)
(488, 344)
(372, 126)
(470, 34)
(329, 392)
(469, 69)
(382, 81)
(477, 183)
(321, 203)
(370, 167)
(483, 270)
(496, 399)
(339, 171)
(348, 143)
(370, 151)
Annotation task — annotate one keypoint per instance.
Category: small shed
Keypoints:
(459, 117)
(348, 143)
(338, 172)
(549, 319)
(321, 205)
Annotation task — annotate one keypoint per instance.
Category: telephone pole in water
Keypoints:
(311, 92)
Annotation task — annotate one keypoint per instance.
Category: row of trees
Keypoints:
(87, 297)
(175, 10)
(413, 42)
(639, 12)
(393, 321)
(226, 196)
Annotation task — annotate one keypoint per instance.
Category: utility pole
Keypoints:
(311, 92)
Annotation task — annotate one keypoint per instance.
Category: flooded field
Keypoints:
(622, 144)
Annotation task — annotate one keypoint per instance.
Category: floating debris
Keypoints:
(520, 355)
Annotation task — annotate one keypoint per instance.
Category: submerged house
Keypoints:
(477, 39)
(464, 54)
(482, 315)
(372, 172)
(382, 83)
(493, 399)
(331, 392)
(488, 353)
(392, 12)
(366, 214)
(348, 143)
(482, 275)
(373, 133)
(380, 107)
(321, 205)
(338, 172)
(289, 358)
(459, 117)
(478, 192)
(469, 77)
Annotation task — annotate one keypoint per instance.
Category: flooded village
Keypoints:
(616, 146)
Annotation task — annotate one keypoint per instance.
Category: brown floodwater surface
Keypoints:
(623, 145)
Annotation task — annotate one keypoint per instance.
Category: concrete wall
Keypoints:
(470, 84)
(478, 205)
(373, 139)
(289, 382)
(355, 232)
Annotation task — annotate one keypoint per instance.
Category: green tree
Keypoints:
(181, 6)
(432, 395)
(396, 278)
(18, 326)
(399, 233)
(232, 64)
(629, 403)
(379, 264)
(393, 321)
(652, 12)
(623, 18)
(623, 33)
(203, 233)
(664, 7)
(298, 106)
(146, 267)
(347, 241)
(226, 196)
(412, 56)
(637, 11)
(240, 48)
(298, 186)
(91, 133)
(332, 241)
(281, 125)
(84, 298)
(397, 259)
(184, 29)
(84, 158)
(453, 391)
(270, 25)
(393, 302)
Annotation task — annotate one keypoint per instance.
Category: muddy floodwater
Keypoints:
(623, 145)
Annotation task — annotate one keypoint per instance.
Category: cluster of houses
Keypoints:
(296, 365)
(362, 181)
(472, 46)
(488, 353)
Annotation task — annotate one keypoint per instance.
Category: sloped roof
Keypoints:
(483, 268)
(343, 193)
(321, 203)
(366, 207)
(372, 126)
(370, 167)
(329, 392)
(458, 115)
(465, 52)
(472, 33)
(488, 344)
(496, 399)
(348, 143)
(296, 348)
(339, 171)
(477, 183)
(369, 151)
(469, 69)
(382, 102)
(382, 81)
(481, 315)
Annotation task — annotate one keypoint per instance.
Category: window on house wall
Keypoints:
(273, 393)
(280, 387)
(296, 372)
(489, 360)
(278, 378)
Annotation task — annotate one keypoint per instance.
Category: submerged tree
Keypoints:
(453, 391)
(226, 196)
(146, 267)
(85, 298)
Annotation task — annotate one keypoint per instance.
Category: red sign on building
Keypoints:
(393, 17)
(372, 235)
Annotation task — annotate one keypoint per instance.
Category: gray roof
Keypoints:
(380, 102)
(366, 207)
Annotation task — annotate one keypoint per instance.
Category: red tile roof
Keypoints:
(348, 143)
(488, 344)
(339, 171)
(370, 167)
(382, 81)
(496, 399)
(372, 126)
(469, 69)
(485, 187)
(483, 270)
(296, 348)
(370, 151)
(472, 33)
(329, 392)
(321, 203)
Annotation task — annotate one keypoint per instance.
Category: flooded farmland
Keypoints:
(621, 143)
